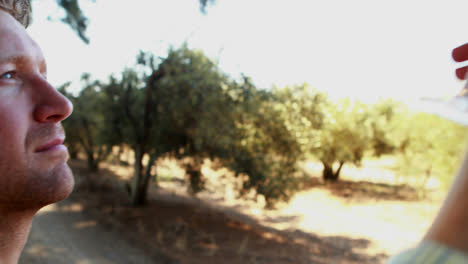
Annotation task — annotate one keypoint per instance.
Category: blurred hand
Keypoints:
(460, 54)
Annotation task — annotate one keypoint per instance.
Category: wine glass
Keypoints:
(454, 109)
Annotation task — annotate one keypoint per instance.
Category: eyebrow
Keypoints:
(22, 59)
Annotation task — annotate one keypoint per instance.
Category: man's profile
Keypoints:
(33, 168)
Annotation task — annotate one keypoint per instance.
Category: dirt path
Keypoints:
(63, 234)
(348, 222)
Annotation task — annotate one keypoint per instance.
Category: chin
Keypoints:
(64, 184)
(51, 187)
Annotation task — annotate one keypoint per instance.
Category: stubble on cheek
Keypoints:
(40, 133)
(53, 186)
(12, 179)
(50, 177)
(33, 180)
(29, 188)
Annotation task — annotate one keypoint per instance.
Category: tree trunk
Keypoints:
(120, 154)
(195, 178)
(339, 169)
(328, 174)
(138, 195)
(92, 163)
(149, 167)
(141, 180)
(73, 151)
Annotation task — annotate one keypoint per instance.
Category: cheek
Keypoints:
(13, 129)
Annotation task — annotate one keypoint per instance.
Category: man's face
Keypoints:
(33, 169)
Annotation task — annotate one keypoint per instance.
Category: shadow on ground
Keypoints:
(63, 234)
(193, 231)
(364, 190)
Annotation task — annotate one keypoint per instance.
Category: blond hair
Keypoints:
(19, 9)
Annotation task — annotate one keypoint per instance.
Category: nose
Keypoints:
(50, 105)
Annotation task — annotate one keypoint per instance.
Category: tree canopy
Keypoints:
(184, 107)
(78, 21)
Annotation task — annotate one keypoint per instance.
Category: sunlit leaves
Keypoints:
(87, 125)
(432, 147)
(78, 21)
(183, 106)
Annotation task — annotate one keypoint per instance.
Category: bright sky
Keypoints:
(361, 48)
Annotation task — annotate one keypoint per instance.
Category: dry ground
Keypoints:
(357, 220)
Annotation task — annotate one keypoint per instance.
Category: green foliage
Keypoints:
(193, 111)
(129, 121)
(86, 125)
(264, 148)
(432, 147)
(177, 107)
(384, 123)
(202, 114)
(302, 109)
(76, 19)
(193, 108)
(123, 101)
(204, 4)
(345, 131)
(184, 107)
(71, 127)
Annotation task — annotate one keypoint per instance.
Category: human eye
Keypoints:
(8, 75)
(9, 78)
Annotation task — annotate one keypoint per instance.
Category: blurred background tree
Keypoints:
(86, 127)
(182, 106)
(78, 21)
(264, 148)
(431, 148)
(348, 130)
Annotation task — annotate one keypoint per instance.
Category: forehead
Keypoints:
(15, 43)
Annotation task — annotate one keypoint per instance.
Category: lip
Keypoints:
(50, 145)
